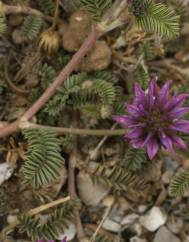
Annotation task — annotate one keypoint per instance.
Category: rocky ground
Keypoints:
(27, 65)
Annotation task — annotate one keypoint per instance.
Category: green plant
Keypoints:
(146, 50)
(103, 238)
(135, 159)
(43, 159)
(118, 178)
(141, 75)
(3, 25)
(58, 102)
(54, 225)
(47, 6)
(3, 201)
(46, 74)
(31, 27)
(158, 18)
(96, 8)
(180, 184)
(94, 99)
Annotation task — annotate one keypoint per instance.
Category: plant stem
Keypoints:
(69, 68)
(44, 207)
(92, 132)
(72, 193)
(55, 15)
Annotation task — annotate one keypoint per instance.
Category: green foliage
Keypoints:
(105, 90)
(43, 159)
(103, 238)
(31, 27)
(3, 201)
(3, 25)
(141, 75)
(52, 227)
(58, 102)
(160, 19)
(181, 9)
(104, 75)
(135, 159)
(93, 94)
(96, 8)
(146, 50)
(180, 184)
(47, 6)
(46, 74)
(118, 178)
(84, 99)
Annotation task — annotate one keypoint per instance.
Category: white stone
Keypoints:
(142, 208)
(164, 235)
(153, 219)
(137, 239)
(11, 219)
(69, 232)
(6, 171)
(90, 193)
(111, 225)
(129, 219)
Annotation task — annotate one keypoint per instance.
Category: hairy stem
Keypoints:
(92, 132)
(72, 193)
(69, 68)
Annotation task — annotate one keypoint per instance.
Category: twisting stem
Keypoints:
(76, 59)
(72, 193)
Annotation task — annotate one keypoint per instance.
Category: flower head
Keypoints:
(155, 118)
(64, 240)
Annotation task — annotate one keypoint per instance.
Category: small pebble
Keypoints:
(164, 235)
(111, 225)
(153, 219)
(69, 232)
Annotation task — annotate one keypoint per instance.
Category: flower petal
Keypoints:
(135, 133)
(179, 142)
(175, 101)
(65, 239)
(140, 96)
(137, 143)
(180, 125)
(123, 119)
(152, 148)
(166, 140)
(178, 112)
(164, 92)
(133, 110)
(153, 92)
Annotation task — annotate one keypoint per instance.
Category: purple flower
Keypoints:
(42, 240)
(155, 118)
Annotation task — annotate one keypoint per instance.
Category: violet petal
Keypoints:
(166, 140)
(153, 92)
(135, 133)
(165, 91)
(123, 119)
(175, 101)
(179, 142)
(178, 112)
(152, 148)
